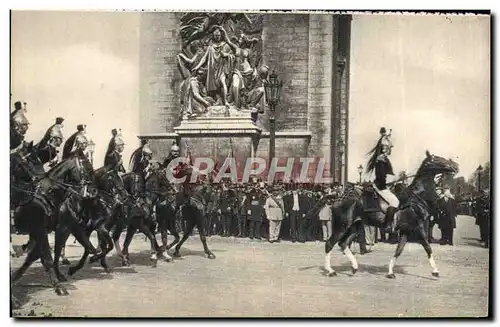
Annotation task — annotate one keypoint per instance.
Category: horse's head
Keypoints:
(434, 165)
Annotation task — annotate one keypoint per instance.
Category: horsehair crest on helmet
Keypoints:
(119, 138)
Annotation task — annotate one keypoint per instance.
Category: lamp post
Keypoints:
(360, 172)
(91, 148)
(340, 150)
(272, 87)
(479, 170)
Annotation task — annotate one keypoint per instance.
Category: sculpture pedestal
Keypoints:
(210, 135)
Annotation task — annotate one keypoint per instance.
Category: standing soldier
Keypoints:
(381, 164)
(256, 212)
(274, 213)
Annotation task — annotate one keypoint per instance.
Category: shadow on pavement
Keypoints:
(36, 279)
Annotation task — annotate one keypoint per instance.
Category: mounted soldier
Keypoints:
(70, 142)
(381, 164)
(113, 159)
(46, 151)
(19, 125)
(139, 165)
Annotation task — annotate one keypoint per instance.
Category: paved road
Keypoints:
(252, 278)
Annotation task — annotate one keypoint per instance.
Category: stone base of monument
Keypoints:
(219, 120)
(211, 134)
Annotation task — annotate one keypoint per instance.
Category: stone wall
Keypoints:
(160, 79)
(302, 48)
(286, 49)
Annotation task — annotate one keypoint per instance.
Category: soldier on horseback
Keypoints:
(113, 159)
(46, 150)
(381, 164)
(139, 165)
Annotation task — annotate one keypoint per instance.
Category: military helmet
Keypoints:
(19, 118)
(56, 131)
(146, 150)
(81, 139)
(119, 138)
(174, 147)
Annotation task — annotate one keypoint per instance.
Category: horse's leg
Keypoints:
(345, 244)
(200, 222)
(403, 238)
(116, 237)
(173, 230)
(106, 243)
(155, 248)
(427, 247)
(330, 243)
(73, 269)
(33, 255)
(131, 229)
(189, 225)
(48, 264)
(61, 236)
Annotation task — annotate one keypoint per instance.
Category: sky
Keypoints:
(426, 78)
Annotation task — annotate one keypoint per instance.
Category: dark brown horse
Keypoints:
(417, 202)
(38, 217)
(195, 199)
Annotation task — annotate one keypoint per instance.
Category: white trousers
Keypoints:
(389, 197)
(274, 229)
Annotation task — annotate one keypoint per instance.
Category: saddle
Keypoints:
(369, 197)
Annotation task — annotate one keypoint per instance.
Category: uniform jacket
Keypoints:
(274, 210)
(256, 205)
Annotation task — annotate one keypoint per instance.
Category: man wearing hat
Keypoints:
(113, 159)
(381, 164)
(70, 142)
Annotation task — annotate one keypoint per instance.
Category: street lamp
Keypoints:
(272, 87)
(91, 148)
(360, 172)
(479, 171)
(340, 150)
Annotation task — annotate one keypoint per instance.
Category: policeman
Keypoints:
(381, 163)
(113, 159)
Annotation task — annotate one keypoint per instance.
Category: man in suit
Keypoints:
(227, 206)
(447, 215)
(305, 204)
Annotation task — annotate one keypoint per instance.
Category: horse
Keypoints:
(164, 198)
(104, 210)
(40, 215)
(417, 202)
(194, 200)
(139, 215)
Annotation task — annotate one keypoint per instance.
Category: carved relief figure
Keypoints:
(219, 60)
